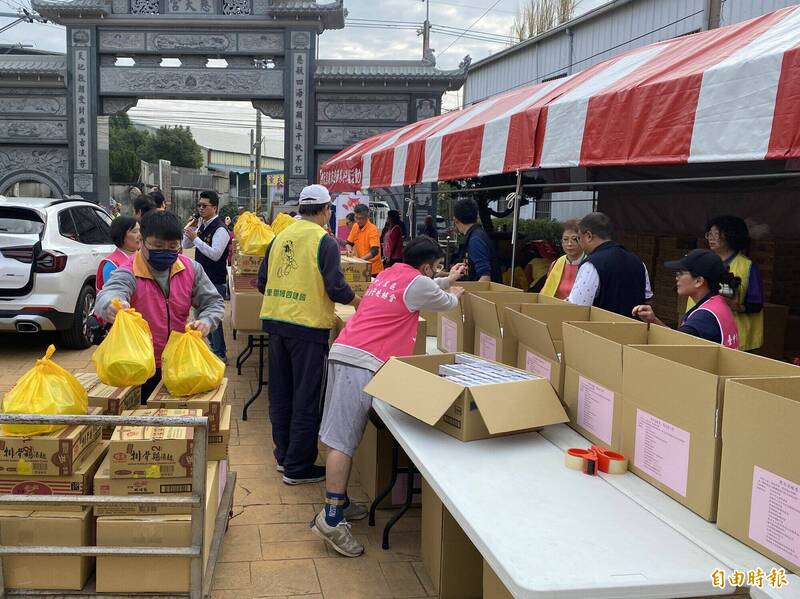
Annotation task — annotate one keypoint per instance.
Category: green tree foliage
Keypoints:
(128, 146)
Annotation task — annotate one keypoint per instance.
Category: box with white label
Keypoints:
(672, 415)
(759, 489)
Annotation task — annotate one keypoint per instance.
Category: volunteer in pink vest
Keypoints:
(384, 325)
(698, 276)
(163, 286)
(126, 236)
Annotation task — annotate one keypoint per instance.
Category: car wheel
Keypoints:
(79, 335)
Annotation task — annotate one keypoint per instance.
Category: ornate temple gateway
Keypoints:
(54, 109)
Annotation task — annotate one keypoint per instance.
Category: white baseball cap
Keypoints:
(315, 194)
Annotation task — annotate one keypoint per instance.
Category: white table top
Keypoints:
(517, 491)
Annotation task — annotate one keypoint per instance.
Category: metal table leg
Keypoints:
(263, 343)
(244, 355)
(385, 493)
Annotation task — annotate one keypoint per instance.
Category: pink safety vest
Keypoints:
(161, 313)
(717, 306)
(383, 326)
(116, 258)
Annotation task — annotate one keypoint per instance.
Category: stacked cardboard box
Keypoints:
(112, 400)
(153, 574)
(212, 404)
(779, 263)
(245, 306)
(245, 263)
(357, 273)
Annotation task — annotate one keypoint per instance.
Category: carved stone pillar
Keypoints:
(83, 100)
(299, 104)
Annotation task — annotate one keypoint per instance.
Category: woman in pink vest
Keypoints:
(698, 275)
(125, 235)
(163, 286)
(384, 325)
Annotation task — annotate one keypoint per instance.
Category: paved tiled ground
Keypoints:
(269, 550)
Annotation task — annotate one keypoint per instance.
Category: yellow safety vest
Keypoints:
(751, 326)
(554, 278)
(295, 291)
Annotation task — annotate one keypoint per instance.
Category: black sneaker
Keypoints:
(314, 474)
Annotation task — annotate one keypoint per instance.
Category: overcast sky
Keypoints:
(351, 42)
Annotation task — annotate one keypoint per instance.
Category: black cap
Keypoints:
(701, 263)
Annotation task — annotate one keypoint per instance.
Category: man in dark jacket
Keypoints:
(478, 250)
(612, 278)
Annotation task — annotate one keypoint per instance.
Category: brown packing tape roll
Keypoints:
(584, 460)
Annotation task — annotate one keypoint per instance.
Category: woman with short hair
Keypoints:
(125, 235)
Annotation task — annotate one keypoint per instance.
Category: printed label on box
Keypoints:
(449, 335)
(488, 347)
(538, 365)
(775, 514)
(596, 409)
(662, 451)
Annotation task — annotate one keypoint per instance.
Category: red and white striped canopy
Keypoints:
(726, 95)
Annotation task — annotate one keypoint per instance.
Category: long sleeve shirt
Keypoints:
(219, 243)
(587, 285)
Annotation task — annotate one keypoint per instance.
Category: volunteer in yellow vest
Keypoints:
(728, 237)
(301, 278)
(564, 270)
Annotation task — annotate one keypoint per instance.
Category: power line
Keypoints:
(475, 22)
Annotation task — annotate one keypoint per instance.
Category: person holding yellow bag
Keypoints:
(163, 286)
(728, 237)
(564, 270)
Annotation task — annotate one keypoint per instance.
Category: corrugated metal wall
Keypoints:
(632, 25)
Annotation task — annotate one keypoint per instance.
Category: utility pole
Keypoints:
(252, 179)
(259, 141)
(713, 14)
(426, 31)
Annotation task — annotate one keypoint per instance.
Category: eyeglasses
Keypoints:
(175, 247)
(712, 235)
(199, 205)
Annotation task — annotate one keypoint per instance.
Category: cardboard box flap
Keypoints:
(500, 299)
(657, 335)
(555, 315)
(742, 364)
(515, 406)
(532, 333)
(421, 394)
(485, 314)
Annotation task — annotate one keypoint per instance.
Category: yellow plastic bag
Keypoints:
(126, 356)
(255, 239)
(245, 220)
(45, 389)
(282, 221)
(188, 366)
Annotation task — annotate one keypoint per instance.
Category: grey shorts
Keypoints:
(346, 407)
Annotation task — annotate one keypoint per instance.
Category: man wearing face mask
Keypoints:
(163, 286)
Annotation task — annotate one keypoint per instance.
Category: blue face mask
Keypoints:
(162, 259)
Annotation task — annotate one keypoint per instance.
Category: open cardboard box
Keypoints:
(593, 372)
(467, 413)
(455, 328)
(487, 313)
(533, 336)
(760, 475)
(672, 413)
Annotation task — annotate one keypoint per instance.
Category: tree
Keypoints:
(175, 144)
(538, 16)
(128, 146)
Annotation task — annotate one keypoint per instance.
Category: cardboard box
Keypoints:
(153, 574)
(247, 264)
(245, 282)
(113, 400)
(210, 403)
(449, 557)
(55, 454)
(493, 587)
(152, 451)
(413, 385)
(105, 485)
(373, 460)
(760, 476)
(593, 374)
(673, 411)
(218, 441)
(245, 308)
(457, 327)
(534, 337)
(356, 270)
(359, 287)
(78, 483)
(42, 528)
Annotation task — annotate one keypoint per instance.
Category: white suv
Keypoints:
(50, 250)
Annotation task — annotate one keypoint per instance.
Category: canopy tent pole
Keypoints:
(411, 201)
(517, 195)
